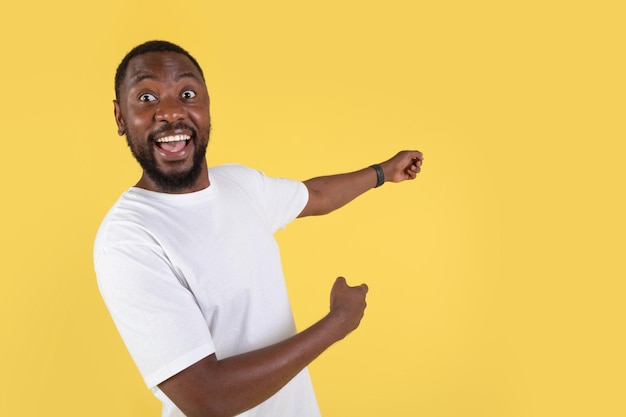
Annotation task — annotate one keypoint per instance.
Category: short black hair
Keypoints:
(144, 48)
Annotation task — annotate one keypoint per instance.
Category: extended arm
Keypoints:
(227, 387)
(331, 192)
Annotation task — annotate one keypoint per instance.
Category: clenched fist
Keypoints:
(347, 306)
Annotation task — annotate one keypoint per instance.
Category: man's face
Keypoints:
(163, 109)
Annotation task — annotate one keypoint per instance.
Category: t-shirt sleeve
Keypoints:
(280, 199)
(155, 313)
(284, 200)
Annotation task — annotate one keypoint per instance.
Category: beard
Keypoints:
(171, 182)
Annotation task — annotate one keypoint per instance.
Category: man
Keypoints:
(186, 259)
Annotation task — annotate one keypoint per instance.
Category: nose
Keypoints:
(170, 110)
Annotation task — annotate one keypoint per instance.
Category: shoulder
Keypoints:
(234, 173)
(237, 176)
(125, 223)
(237, 173)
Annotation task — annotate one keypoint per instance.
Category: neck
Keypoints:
(200, 183)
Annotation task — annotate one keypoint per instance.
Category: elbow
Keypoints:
(214, 408)
(211, 408)
(218, 412)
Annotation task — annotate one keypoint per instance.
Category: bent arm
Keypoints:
(331, 192)
(227, 387)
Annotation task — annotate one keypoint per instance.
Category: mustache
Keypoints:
(170, 127)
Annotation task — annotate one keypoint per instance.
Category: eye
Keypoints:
(146, 97)
(189, 94)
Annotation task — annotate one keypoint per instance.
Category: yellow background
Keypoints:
(496, 279)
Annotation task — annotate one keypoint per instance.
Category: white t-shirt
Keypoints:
(188, 275)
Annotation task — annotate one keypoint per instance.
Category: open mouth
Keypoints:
(174, 143)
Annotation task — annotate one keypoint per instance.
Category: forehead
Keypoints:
(160, 66)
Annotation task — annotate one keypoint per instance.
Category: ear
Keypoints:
(118, 118)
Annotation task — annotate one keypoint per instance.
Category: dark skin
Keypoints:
(162, 88)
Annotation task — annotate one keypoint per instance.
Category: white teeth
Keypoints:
(174, 138)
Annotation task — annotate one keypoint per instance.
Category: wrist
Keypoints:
(333, 328)
(380, 175)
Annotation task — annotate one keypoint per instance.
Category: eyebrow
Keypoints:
(138, 78)
(187, 75)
